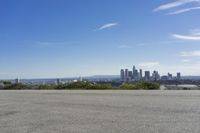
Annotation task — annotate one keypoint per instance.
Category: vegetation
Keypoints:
(141, 86)
(83, 86)
(7, 82)
(45, 87)
(86, 85)
(16, 87)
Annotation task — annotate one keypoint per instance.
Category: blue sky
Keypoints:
(67, 38)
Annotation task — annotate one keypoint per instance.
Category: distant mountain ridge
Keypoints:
(102, 76)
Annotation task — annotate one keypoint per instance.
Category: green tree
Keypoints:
(7, 82)
(45, 87)
(17, 87)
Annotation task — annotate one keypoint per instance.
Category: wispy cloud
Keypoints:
(184, 10)
(107, 26)
(142, 44)
(146, 44)
(49, 44)
(40, 44)
(185, 60)
(190, 53)
(132, 46)
(154, 43)
(124, 46)
(187, 37)
(185, 69)
(195, 32)
(149, 64)
(176, 4)
(193, 36)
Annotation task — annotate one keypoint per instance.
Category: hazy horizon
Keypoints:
(72, 38)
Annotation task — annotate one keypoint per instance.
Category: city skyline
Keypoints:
(146, 75)
(72, 38)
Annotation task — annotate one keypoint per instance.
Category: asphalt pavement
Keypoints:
(99, 111)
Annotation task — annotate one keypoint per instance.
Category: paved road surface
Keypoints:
(99, 111)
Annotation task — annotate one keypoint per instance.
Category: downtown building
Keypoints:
(137, 75)
(134, 75)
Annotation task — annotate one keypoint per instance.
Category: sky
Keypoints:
(71, 38)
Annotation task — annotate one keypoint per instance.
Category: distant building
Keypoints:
(126, 74)
(136, 74)
(147, 75)
(134, 69)
(122, 75)
(164, 78)
(130, 75)
(58, 81)
(178, 76)
(141, 74)
(170, 76)
(80, 79)
(17, 81)
(155, 76)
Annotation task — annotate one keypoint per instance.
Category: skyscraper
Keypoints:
(170, 76)
(134, 72)
(155, 75)
(140, 74)
(147, 75)
(130, 75)
(122, 75)
(136, 75)
(57, 81)
(134, 69)
(126, 74)
(178, 76)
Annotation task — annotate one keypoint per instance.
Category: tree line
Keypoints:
(84, 85)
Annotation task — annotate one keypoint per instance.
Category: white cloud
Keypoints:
(184, 10)
(51, 44)
(189, 69)
(195, 32)
(149, 64)
(142, 44)
(185, 69)
(187, 37)
(193, 36)
(124, 46)
(185, 60)
(174, 4)
(147, 44)
(177, 4)
(107, 26)
(190, 53)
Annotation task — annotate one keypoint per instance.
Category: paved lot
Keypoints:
(99, 111)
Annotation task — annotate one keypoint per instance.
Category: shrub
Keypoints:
(129, 87)
(17, 87)
(100, 87)
(60, 87)
(84, 85)
(7, 82)
(79, 85)
(45, 87)
(141, 86)
(148, 86)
